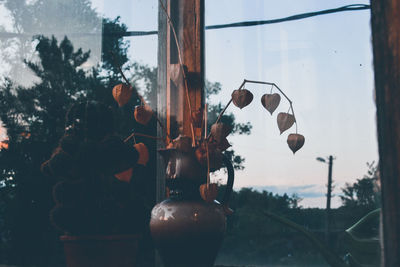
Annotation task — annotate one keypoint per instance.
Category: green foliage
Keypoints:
(75, 18)
(364, 193)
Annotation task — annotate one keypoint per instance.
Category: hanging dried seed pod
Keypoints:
(143, 114)
(122, 93)
(208, 192)
(220, 131)
(270, 102)
(242, 98)
(295, 142)
(143, 153)
(285, 121)
(124, 176)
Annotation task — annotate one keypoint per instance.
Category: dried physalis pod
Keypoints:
(220, 131)
(223, 144)
(122, 93)
(270, 102)
(242, 97)
(214, 153)
(208, 192)
(143, 114)
(295, 142)
(197, 118)
(124, 176)
(143, 153)
(285, 121)
(183, 143)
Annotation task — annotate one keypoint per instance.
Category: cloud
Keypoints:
(303, 191)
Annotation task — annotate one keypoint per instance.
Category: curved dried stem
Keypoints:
(259, 82)
(182, 68)
(126, 79)
(133, 135)
(143, 102)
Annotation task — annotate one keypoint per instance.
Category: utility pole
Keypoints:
(328, 215)
(328, 202)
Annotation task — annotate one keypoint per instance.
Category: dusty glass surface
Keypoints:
(54, 54)
(322, 63)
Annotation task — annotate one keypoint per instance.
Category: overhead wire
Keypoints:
(353, 7)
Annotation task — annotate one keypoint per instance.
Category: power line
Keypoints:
(354, 7)
(291, 18)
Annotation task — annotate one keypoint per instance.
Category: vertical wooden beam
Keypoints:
(385, 23)
(187, 17)
(191, 40)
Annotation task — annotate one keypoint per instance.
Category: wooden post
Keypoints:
(187, 17)
(385, 23)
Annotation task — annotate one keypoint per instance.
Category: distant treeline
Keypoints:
(253, 238)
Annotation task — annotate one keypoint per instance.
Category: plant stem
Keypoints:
(230, 101)
(279, 89)
(182, 69)
(259, 82)
(142, 135)
(138, 95)
(126, 80)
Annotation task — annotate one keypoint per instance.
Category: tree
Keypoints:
(29, 18)
(33, 113)
(364, 192)
(34, 119)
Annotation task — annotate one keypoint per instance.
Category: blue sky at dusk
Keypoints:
(323, 64)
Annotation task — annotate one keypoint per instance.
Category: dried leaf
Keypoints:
(143, 153)
(197, 118)
(143, 114)
(242, 98)
(209, 192)
(270, 102)
(122, 93)
(295, 142)
(220, 131)
(214, 153)
(285, 121)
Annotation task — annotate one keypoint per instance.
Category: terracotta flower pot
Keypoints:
(100, 250)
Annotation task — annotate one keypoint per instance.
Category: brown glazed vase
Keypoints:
(187, 231)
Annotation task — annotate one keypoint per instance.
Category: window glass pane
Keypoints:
(55, 55)
(324, 65)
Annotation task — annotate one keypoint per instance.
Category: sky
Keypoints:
(323, 64)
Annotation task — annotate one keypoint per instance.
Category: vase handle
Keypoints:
(229, 185)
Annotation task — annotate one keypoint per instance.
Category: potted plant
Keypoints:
(96, 207)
